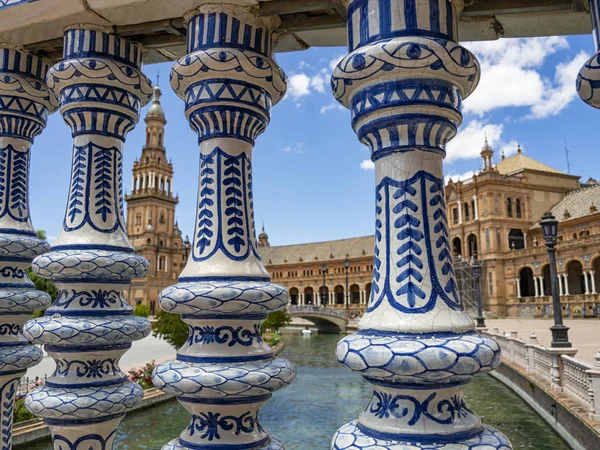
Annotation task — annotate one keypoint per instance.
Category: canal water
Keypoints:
(324, 396)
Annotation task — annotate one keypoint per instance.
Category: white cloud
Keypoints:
(564, 92)
(298, 85)
(509, 148)
(367, 164)
(298, 147)
(330, 106)
(469, 140)
(459, 177)
(510, 76)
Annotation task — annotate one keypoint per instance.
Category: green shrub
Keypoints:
(142, 310)
(21, 414)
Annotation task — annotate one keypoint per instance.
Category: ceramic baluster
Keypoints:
(225, 372)
(588, 80)
(101, 88)
(404, 81)
(25, 103)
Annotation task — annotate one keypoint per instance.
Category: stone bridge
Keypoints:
(325, 319)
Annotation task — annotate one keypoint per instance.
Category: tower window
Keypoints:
(138, 219)
(162, 218)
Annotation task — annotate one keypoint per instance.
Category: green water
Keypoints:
(323, 397)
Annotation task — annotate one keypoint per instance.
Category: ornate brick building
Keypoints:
(494, 217)
(151, 224)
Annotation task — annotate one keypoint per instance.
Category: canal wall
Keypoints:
(34, 430)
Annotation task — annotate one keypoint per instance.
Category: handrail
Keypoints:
(297, 309)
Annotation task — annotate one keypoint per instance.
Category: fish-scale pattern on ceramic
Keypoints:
(90, 264)
(16, 357)
(70, 331)
(16, 301)
(14, 246)
(406, 358)
(274, 444)
(350, 437)
(224, 297)
(83, 403)
(223, 380)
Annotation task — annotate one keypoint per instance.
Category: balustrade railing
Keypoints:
(558, 368)
(317, 310)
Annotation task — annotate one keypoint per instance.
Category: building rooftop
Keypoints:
(318, 251)
(521, 162)
(580, 203)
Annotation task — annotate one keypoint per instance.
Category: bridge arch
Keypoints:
(325, 319)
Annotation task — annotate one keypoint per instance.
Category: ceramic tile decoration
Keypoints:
(225, 372)
(404, 81)
(588, 80)
(101, 88)
(25, 103)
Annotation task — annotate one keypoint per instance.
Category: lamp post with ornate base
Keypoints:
(346, 267)
(324, 288)
(560, 332)
(404, 81)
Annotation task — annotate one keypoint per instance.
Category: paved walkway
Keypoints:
(583, 334)
(147, 349)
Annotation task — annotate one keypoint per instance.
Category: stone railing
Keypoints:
(557, 367)
(317, 310)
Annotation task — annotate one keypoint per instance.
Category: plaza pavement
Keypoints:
(584, 334)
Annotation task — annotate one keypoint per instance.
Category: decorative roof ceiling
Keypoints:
(521, 162)
(159, 25)
(320, 252)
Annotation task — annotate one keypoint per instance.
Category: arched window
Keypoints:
(516, 239)
(159, 160)
(509, 210)
(466, 212)
(308, 296)
(518, 208)
(339, 295)
(472, 241)
(547, 287)
(457, 247)
(473, 208)
(526, 282)
(575, 278)
(294, 296)
(149, 241)
(354, 294)
(162, 218)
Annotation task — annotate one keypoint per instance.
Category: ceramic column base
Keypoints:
(350, 437)
(77, 436)
(273, 444)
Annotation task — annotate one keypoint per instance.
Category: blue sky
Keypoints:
(312, 177)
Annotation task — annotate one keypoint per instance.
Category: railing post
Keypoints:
(594, 391)
(225, 372)
(533, 341)
(90, 326)
(404, 81)
(25, 103)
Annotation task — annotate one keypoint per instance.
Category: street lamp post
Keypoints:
(346, 266)
(560, 333)
(477, 275)
(323, 294)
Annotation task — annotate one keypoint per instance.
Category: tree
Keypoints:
(42, 284)
(171, 328)
(142, 310)
(275, 321)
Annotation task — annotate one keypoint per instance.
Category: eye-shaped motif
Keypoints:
(462, 56)
(412, 51)
(259, 62)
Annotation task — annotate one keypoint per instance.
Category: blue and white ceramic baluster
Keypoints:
(25, 103)
(101, 88)
(404, 82)
(225, 372)
(588, 80)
